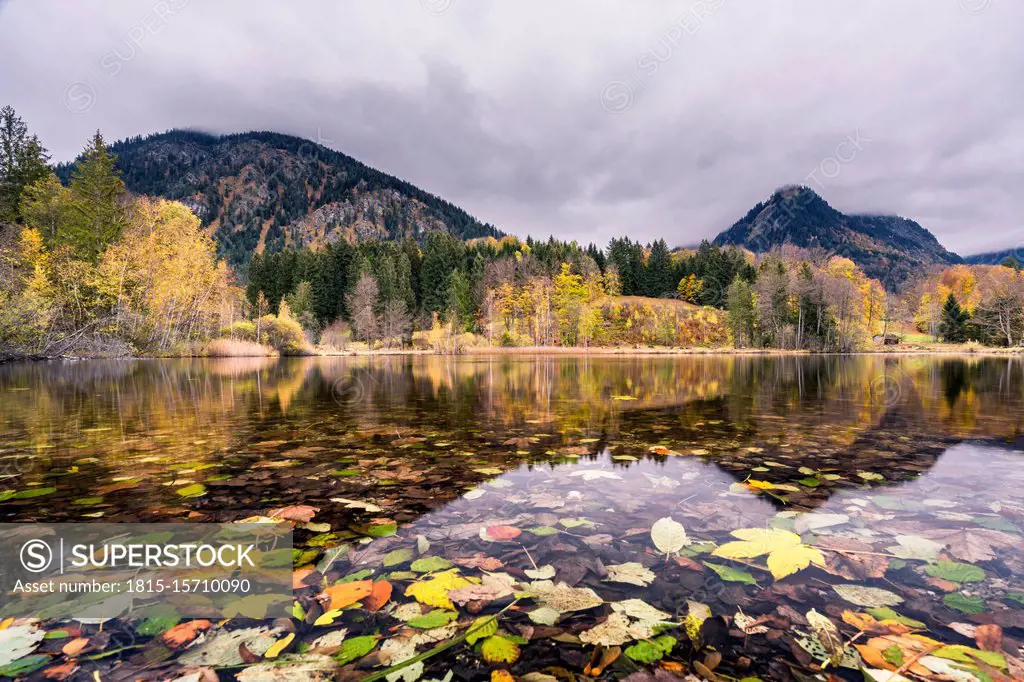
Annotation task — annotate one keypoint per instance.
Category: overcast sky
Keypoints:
(584, 118)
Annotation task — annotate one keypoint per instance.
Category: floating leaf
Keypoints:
(17, 641)
(884, 613)
(541, 531)
(563, 598)
(194, 490)
(786, 554)
(731, 574)
(963, 603)
(430, 564)
(668, 535)
(279, 646)
(380, 594)
(24, 666)
(632, 573)
(354, 648)
(955, 571)
(651, 650)
(346, 594)
(398, 557)
(540, 573)
(434, 591)
(500, 533)
(433, 619)
(915, 547)
(482, 627)
(867, 596)
(498, 649)
(545, 615)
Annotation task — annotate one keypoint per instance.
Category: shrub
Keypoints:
(283, 333)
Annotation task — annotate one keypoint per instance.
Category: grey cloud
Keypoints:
(708, 105)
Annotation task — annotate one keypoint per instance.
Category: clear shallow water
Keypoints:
(887, 466)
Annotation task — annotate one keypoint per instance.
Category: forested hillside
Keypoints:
(891, 249)
(263, 191)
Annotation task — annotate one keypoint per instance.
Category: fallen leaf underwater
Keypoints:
(610, 557)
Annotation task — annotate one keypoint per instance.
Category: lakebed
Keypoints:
(732, 517)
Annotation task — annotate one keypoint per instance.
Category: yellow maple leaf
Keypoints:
(434, 591)
(786, 553)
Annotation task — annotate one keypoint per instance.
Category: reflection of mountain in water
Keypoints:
(410, 432)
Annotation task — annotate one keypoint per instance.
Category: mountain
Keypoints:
(995, 257)
(888, 248)
(263, 190)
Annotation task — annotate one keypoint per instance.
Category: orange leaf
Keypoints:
(379, 595)
(501, 676)
(503, 532)
(347, 594)
(989, 637)
(75, 646)
(60, 672)
(183, 633)
(299, 577)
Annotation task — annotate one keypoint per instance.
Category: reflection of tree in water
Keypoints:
(152, 419)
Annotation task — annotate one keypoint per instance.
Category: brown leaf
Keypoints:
(480, 561)
(940, 584)
(183, 633)
(247, 656)
(852, 565)
(300, 513)
(60, 672)
(689, 564)
(989, 637)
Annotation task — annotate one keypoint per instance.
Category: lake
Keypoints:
(728, 516)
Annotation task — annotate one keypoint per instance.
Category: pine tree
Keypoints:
(97, 214)
(658, 279)
(23, 162)
(955, 321)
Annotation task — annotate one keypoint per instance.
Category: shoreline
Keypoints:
(939, 350)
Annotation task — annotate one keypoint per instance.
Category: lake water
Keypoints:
(542, 478)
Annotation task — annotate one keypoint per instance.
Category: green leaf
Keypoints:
(381, 530)
(433, 619)
(194, 490)
(964, 603)
(24, 666)
(810, 482)
(57, 634)
(498, 649)
(541, 531)
(354, 648)
(398, 557)
(955, 571)
(575, 523)
(482, 627)
(885, 613)
(87, 501)
(965, 654)
(1016, 596)
(649, 651)
(151, 627)
(731, 574)
(893, 655)
(431, 563)
(33, 492)
(358, 575)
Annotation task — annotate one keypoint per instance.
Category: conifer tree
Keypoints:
(97, 216)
